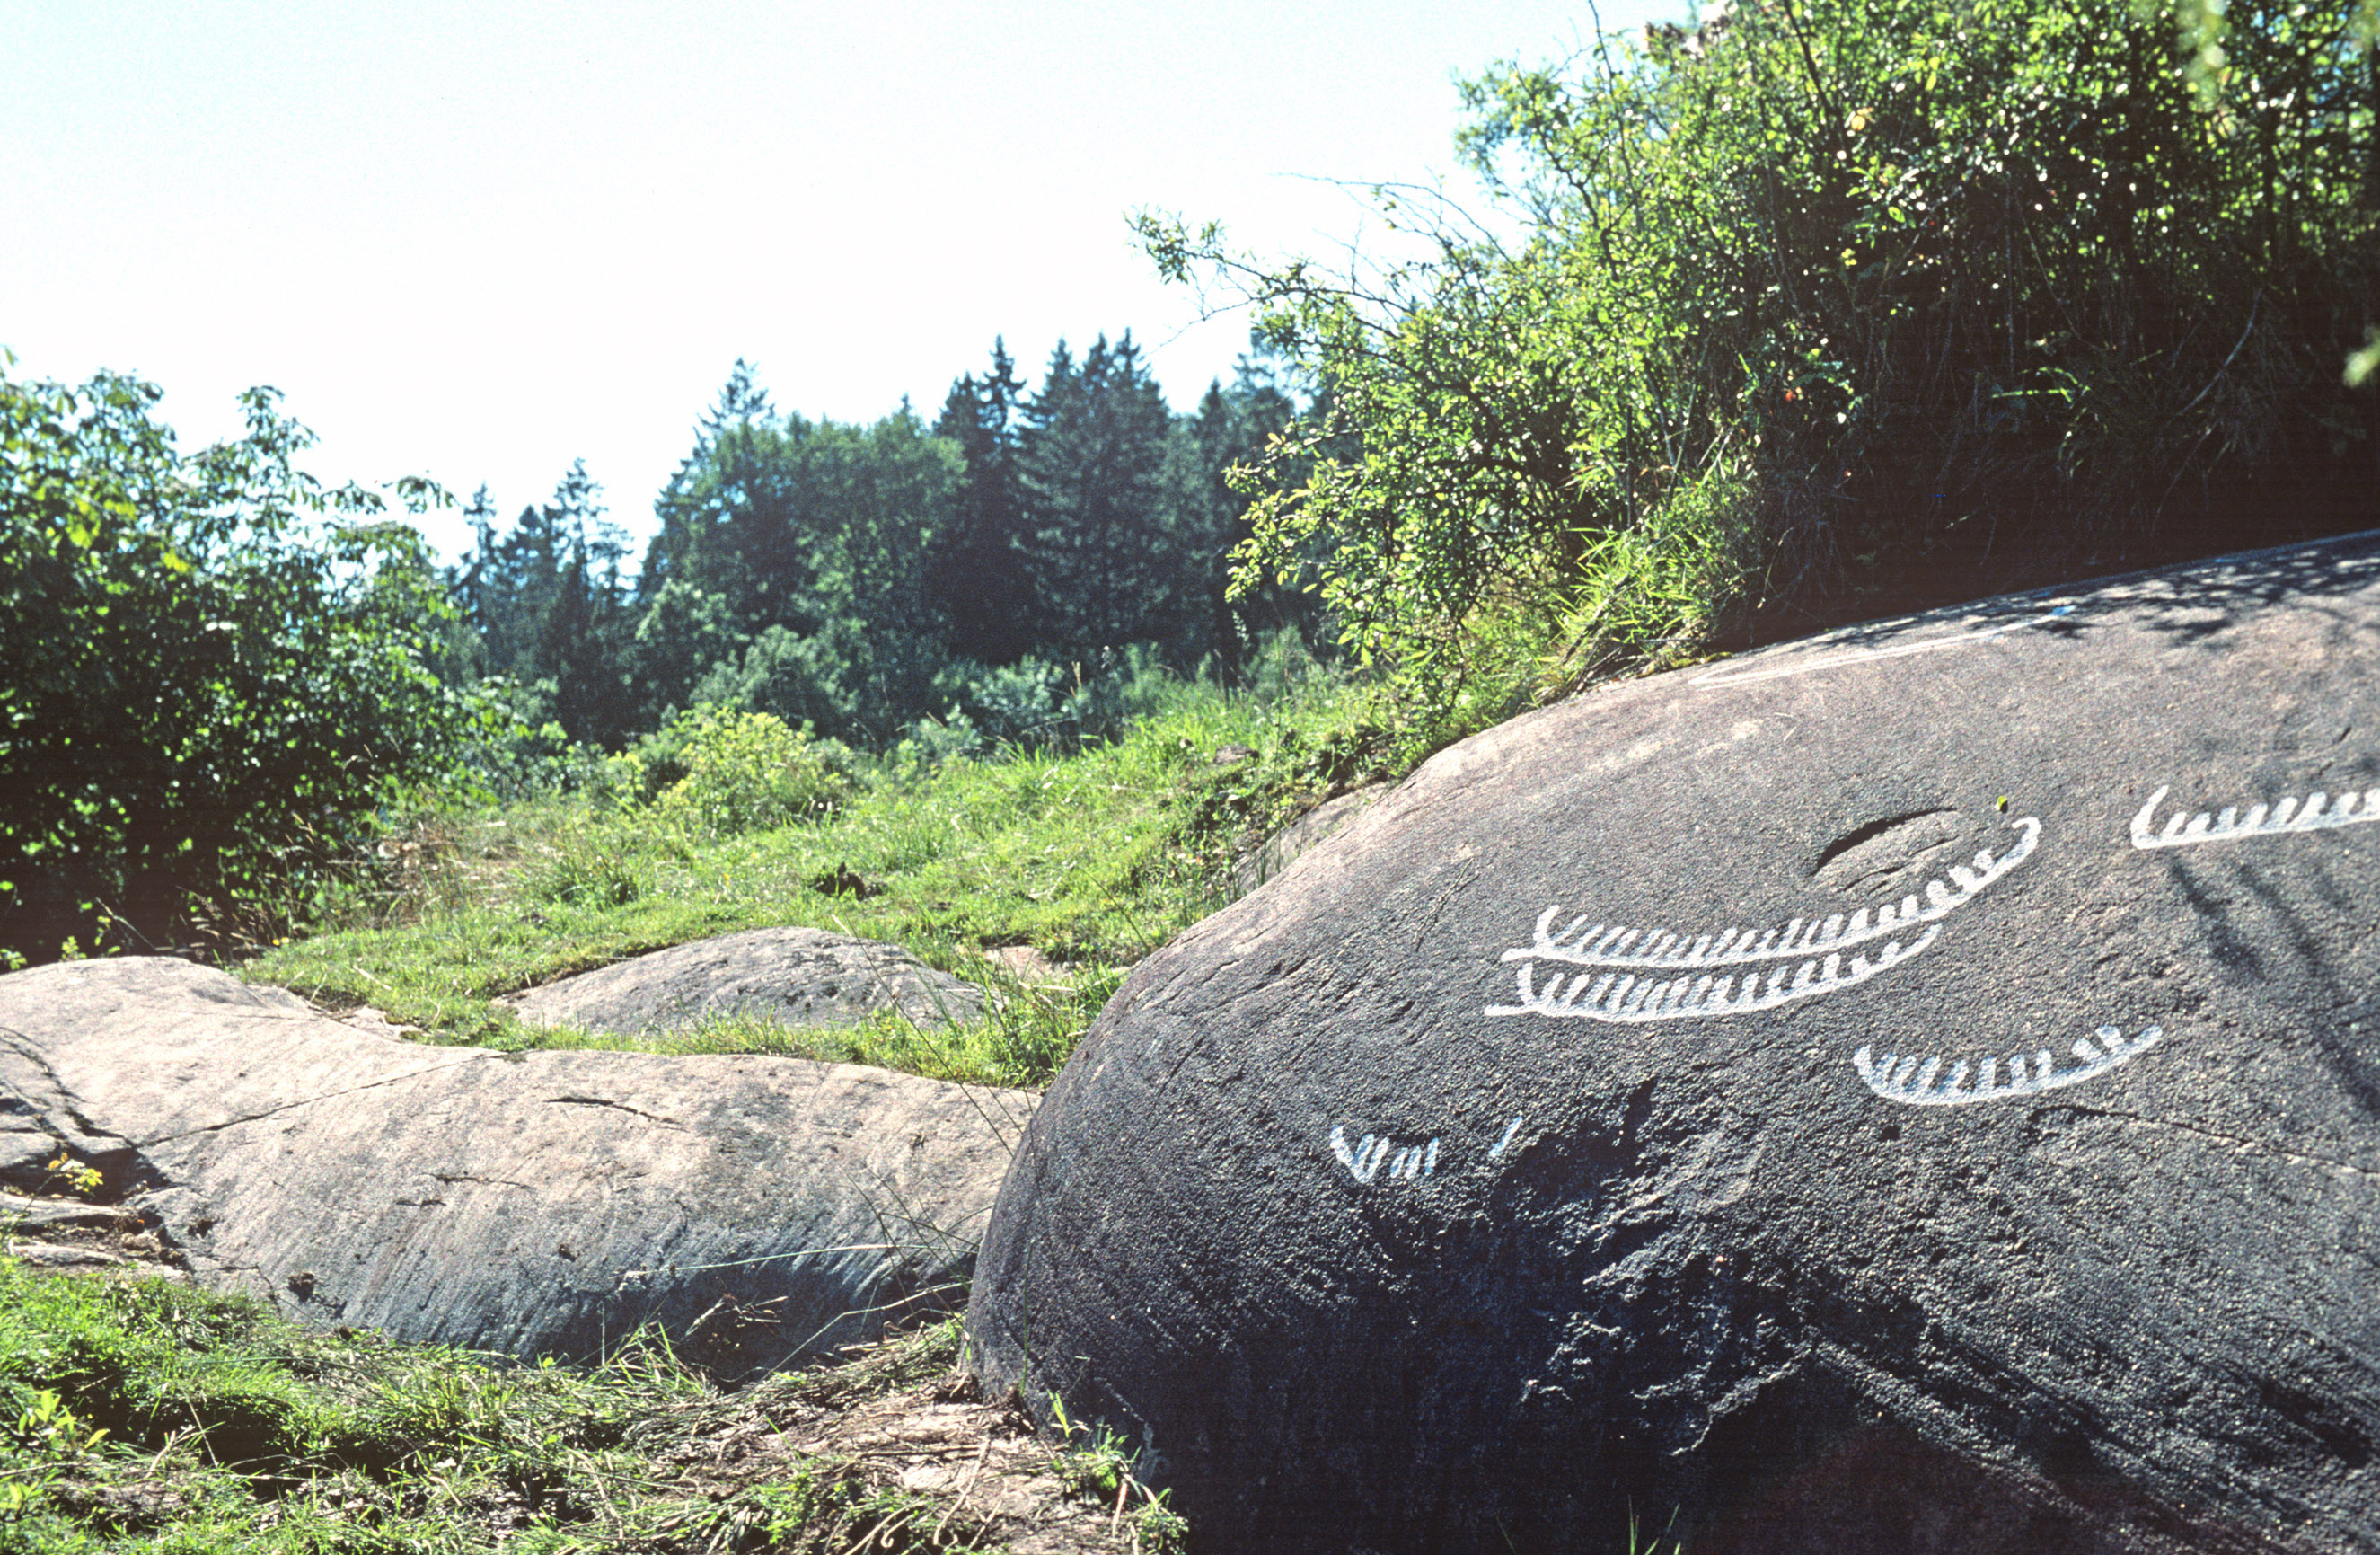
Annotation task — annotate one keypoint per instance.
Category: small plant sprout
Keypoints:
(1094, 1465)
(78, 1176)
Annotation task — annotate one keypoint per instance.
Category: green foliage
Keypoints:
(1034, 703)
(863, 579)
(216, 670)
(748, 772)
(1101, 541)
(1092, 858)
(75, 1176)
(1016, 704)
(791, 572)
(1812, 297)
(145, 1415)
(1095, 1465)
(979, 578)
(595, 863)
(544, 608)
(38, 1449)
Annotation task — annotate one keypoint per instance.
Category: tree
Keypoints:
(1209, 520)
(549, 609)
(741, 402)
(582, 644)
(798, 571)
(727, 519)
(1105, 561)
(978, 575)
(216, 669)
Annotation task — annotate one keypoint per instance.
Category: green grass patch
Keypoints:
(1092, 858)
(143, 1414)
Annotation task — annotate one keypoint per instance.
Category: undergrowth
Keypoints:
(1042, 875)
(143, 1414)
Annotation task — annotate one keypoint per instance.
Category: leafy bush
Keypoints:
(215, 670)
(1033, 704)
(847, 676)
(932, 741)
(1014, 704)
(1828, 296)
(747, 772)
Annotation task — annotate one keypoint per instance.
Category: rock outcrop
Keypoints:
(802, 977)
(541, 1203)
(1916, 1089)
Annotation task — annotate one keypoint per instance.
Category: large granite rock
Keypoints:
(542, 1203)
(803, 976)
(1916, 1089)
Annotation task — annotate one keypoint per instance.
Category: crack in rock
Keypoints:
(304, 1101)
(22, 1046)
(617, 1106)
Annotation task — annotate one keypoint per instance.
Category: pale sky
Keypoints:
(479, 240)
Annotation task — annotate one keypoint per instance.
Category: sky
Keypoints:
(479, 240)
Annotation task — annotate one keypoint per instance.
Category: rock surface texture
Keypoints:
(542, 1203)
(803, 976)
(1309, 830)
(1916, 1089)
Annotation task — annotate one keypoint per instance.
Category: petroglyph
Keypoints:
(1919, 1080)
(1365, 1158)
(1627, 999)
(1661, 950)
(2182, 829)
(1629, 993)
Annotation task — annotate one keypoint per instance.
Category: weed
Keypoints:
(1677, 1546)
(75, 1176)
(148, 1415)
(597, 864)
(1094, 1465)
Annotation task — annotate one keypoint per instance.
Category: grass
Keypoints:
(143, 1414)
(1092, 860)
(147, 1414)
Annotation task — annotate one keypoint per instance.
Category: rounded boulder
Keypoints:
(1917, 1089)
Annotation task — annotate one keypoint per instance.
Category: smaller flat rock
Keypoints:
(803, 976)
(757, 1208)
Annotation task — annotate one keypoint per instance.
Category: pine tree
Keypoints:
(712, 482)
(1091, 462)
(977, 573)
(466, 658)
(1229, 430)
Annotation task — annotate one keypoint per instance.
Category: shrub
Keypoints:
(215, 670)
(748, 771)
(1034, 704)
(1833, 296)
(1014, 704)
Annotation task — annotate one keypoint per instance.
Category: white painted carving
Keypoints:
(1629, 994)
(2182, 829)
(1365, 1158)
(1626, 999)
(1869, 655)
(1919, 1081)
(1659, 950)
